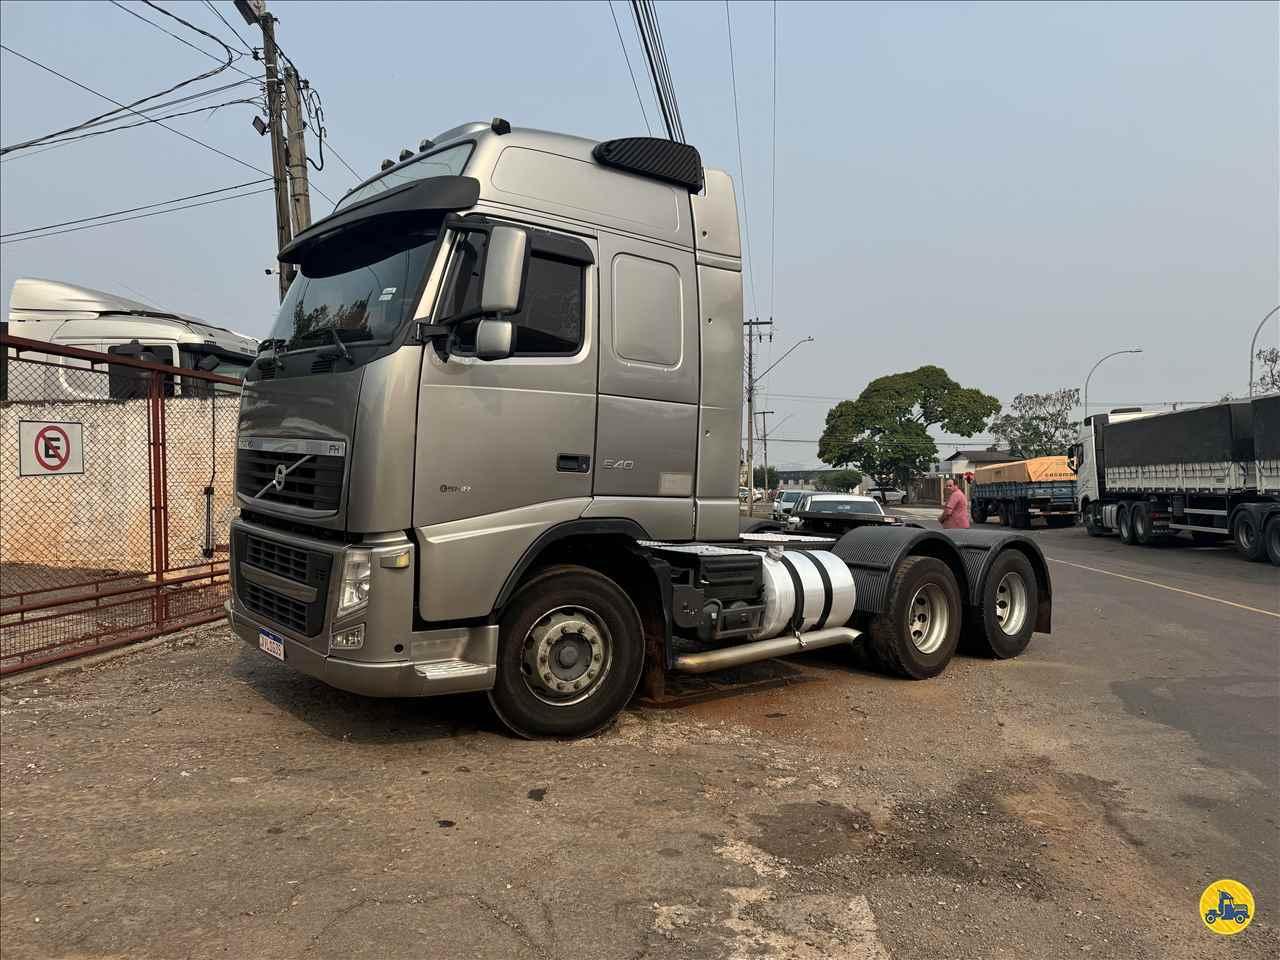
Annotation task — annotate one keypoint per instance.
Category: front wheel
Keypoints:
(917, 636)
(1092, 521)
(570, 654)
(1247, 537)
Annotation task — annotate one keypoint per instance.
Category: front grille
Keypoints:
(274, 606)
(315, 484)
(278, 558)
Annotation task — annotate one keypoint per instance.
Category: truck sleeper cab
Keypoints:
(492, 444)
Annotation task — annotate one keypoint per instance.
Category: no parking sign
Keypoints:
(48, 449)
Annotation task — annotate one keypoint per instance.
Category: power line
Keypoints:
(625, 56)
(659, 70)
(661, 48)
(244, 43)
(243, 163)
(140, 216)
(145, 206)
(213, 56)
(742, 171)
(140, 123)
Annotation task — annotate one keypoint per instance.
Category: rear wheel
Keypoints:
(1003, 624)
(1006, 514)
(1247, 536)
(1124, 521)
(1272, 538)
(978, 511)
(570, 654)
(1140, 518)
(917, 636)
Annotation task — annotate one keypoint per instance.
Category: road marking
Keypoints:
(1165, 586)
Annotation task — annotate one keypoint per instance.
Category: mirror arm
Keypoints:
(425, 332)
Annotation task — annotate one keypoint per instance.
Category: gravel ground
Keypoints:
(199, 800)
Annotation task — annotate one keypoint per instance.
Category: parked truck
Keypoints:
(1023, 491)
(1211, 471)
(492, 445)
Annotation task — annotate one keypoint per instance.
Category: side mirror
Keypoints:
(494, 338)
(208, 363)
(504, 271)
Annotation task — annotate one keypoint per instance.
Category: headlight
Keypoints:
(357, 575)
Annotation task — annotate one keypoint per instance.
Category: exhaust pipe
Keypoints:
(764, 650)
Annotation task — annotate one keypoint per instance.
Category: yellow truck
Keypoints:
(1021, 491)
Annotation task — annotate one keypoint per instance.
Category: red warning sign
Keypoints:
(47, 449)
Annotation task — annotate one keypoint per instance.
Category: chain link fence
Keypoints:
(116, 495)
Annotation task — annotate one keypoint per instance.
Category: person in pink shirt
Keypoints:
(955, 508)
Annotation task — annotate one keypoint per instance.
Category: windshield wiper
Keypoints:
(342, 347)
(271, 343)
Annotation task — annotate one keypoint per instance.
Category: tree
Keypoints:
(1038, 424)
(759, 478)
(1269, 357)
(840, 481)
(885, 432)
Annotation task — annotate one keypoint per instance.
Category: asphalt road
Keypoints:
(198, 800)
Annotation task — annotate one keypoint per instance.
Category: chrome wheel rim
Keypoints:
(1011, 603)
(565, 656)
(928, 617)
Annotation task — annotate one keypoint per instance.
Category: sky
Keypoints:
(1007, 190)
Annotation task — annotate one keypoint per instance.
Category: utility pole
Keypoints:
(255, 14)
(752, 336)
(764, 440)
(297, 156)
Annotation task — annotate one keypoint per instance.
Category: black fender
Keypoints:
(584, 528)
(874, 553)
(979, 549)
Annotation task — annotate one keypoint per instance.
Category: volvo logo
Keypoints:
(281, 472)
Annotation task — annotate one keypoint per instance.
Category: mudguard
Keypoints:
(873, 554)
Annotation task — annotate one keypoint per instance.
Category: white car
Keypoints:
(786, 500)
(834, 503)
(888, 496)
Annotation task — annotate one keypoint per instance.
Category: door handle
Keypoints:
(573, 463)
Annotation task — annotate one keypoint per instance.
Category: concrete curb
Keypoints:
(77, 664)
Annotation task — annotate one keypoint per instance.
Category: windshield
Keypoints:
(844, 506)
(363, 285)
(447, 163)
(791, 496)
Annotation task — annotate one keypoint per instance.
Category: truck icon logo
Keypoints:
(1226, 906)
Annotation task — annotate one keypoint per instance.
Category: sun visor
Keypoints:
(432, 195)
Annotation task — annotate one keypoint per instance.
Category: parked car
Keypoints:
(884, 495)
(785, 501)
(809, 508)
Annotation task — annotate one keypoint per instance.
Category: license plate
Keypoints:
(269, 643)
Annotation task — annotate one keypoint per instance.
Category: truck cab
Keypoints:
(492, 444)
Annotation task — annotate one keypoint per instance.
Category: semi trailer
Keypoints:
(1040, 488)
(1211, 471)
(492, 445)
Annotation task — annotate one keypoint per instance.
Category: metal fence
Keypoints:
(116, 495)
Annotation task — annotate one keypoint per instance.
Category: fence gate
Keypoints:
(116, 495)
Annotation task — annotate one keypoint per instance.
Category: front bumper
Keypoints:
(395, 678)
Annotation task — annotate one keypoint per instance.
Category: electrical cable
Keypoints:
(140, 216)
(213, 56)
(145, 206)
(244, 43)
(37, 63)
(140, 123)
(666, 68)
(742, 173)
(625, 56)
(773, 163)
(654, 74)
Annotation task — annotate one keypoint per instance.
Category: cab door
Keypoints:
(519, 433)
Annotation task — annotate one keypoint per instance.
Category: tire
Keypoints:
(978, 512)
(1006, 515)
(1124, 522)
(1247, 536)
(1092, 521)
(1272, 538)
(1002, 626)
(1140, 520)
(905, 645)
(599, 621)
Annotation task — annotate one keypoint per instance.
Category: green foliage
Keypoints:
(1269, 381)
(885, 431)
(1039, 424)
(759, 478)
(842, 481)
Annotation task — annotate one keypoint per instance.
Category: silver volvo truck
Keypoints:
(492, 444)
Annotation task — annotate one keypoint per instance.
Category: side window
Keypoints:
(550, 322)
(647, 315)
(126, 383)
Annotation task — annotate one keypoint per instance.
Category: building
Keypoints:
(965, 461)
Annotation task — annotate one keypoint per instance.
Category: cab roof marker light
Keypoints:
(387, 164)
(405, 154)
(500, 126)
(425, 145)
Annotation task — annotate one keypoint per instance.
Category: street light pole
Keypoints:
(1254, 343)
(1095, 367)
